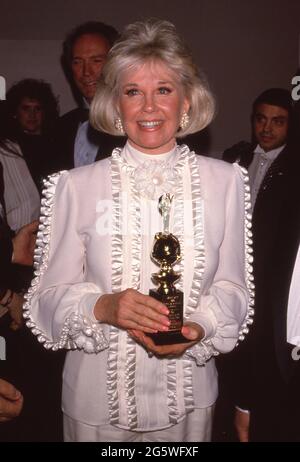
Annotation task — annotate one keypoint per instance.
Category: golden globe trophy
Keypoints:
(165, 253)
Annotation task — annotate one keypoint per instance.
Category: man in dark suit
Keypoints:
(84, 54)
(253, 371)
(268, 380)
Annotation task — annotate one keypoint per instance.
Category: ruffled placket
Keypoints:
(139, 184)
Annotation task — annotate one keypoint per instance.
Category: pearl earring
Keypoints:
(119, 126)
(185, 120)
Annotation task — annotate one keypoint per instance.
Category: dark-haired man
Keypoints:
(84, 54)
(268, 160)
(271, 114)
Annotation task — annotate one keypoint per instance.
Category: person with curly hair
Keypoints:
(26, 148)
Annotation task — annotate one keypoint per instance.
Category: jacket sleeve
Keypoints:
(59, 306)
(226, 308)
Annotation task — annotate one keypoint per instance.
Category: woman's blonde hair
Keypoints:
(154, 40)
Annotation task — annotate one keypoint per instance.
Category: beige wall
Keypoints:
(244, 46)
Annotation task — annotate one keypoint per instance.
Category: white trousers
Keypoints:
(196, 427)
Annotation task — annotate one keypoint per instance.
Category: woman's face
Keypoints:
(151, 104)
(30, 116)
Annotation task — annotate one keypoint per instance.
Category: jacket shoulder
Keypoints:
(215, 165)
(70, 119)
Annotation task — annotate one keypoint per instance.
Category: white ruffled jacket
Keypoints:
(96, 234)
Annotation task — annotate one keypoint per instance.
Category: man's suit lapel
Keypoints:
(276, 169)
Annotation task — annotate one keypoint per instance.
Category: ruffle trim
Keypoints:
(81, 333)
(117, 265)
(112, 376)
(78, 332)
(199, 266)
(198, 224)
(185, 157)
(201, 352)
(130, 369)
(117, 257)
(178, 231)
(172, 391)
(135, 212)
(248, 255)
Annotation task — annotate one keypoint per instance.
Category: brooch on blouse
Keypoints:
(154, 178)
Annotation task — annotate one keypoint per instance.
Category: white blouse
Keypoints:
(96, 234)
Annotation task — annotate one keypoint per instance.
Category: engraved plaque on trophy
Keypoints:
(166, 253)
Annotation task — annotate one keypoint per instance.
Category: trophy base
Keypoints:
(168, 338)
(175, 304)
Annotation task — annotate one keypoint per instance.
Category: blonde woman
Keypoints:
(94, 267)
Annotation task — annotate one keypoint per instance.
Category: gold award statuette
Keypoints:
(165, 253)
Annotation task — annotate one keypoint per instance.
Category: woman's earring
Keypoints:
(119, 126)
(185, 120)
